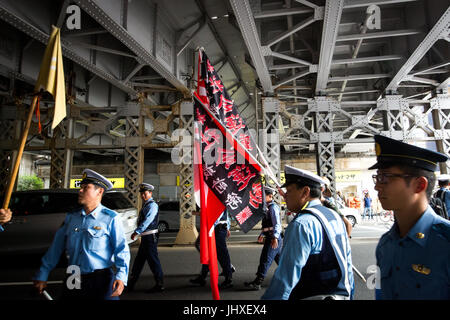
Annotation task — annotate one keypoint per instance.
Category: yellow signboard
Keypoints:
(348, 176)
(118, 183)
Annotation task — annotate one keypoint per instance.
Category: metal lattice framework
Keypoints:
(392, 116)
(133, 163)
(188, 232)
(8, 132)
(61, 158)
(325, 148)
(271, 137)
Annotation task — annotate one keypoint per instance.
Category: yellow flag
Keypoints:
(51, 76)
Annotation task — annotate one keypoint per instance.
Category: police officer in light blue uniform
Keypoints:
(271, 236)
(316, 259)
(414, 255)
(221, 232)
(147, 228)
(94, 240)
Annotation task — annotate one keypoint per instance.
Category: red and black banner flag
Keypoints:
(228, 151)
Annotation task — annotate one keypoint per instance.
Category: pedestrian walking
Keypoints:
(147, 229)
(222, 233)
(367, 206)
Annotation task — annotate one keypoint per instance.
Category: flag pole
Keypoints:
(23, 140)
(228, 132)
(268, 168)
(265, 167)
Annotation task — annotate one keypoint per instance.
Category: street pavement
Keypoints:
(181, 263)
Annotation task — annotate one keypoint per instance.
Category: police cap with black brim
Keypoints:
(393, 152)
(146, 187)
(303, 177)
(90, 176)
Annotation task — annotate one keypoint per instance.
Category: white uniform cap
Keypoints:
(304, 177)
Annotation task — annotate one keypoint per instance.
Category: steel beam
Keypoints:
(376, 35)
(102, 49)
(292, 30)
(440, 28)
(422, 80)
(281, 12)
(359, 77)
(307, 3)
(350, 4)
(293, 59)
(427, 69)
(367, 59)
(244, 17)
(68, 51)
(332, 17)
(292, 78)
(98, 14)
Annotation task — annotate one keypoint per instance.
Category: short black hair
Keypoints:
(443, 183)
(314, 191)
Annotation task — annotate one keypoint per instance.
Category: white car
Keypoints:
(38, 214)
(351, 214)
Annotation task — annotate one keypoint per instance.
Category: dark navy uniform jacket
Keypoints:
(148, 217)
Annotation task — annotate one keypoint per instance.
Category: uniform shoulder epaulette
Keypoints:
(443, 229)
(110, 212)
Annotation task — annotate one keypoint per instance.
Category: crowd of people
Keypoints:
(313, 254)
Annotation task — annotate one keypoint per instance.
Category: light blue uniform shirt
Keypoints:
(220, 219)
(1, 229)
(150, 211)
(303, 237)
(274, 213)
(93, 241)
(418, 265)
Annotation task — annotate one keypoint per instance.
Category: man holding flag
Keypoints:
(226, 173)
(222, 232)
(50, 79)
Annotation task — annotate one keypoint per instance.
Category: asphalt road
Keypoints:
(181, 263)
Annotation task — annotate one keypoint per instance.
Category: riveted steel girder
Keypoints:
(96, 12)
(440, 29)
(333, 11)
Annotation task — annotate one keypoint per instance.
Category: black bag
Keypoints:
(438, 205)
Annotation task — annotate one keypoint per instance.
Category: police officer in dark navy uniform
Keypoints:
(315, 261)
(147, 229)
(222, 232)
(271, 236)
(93, 239)
(414, 255)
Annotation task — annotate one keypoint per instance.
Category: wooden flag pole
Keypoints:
(23, 140)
